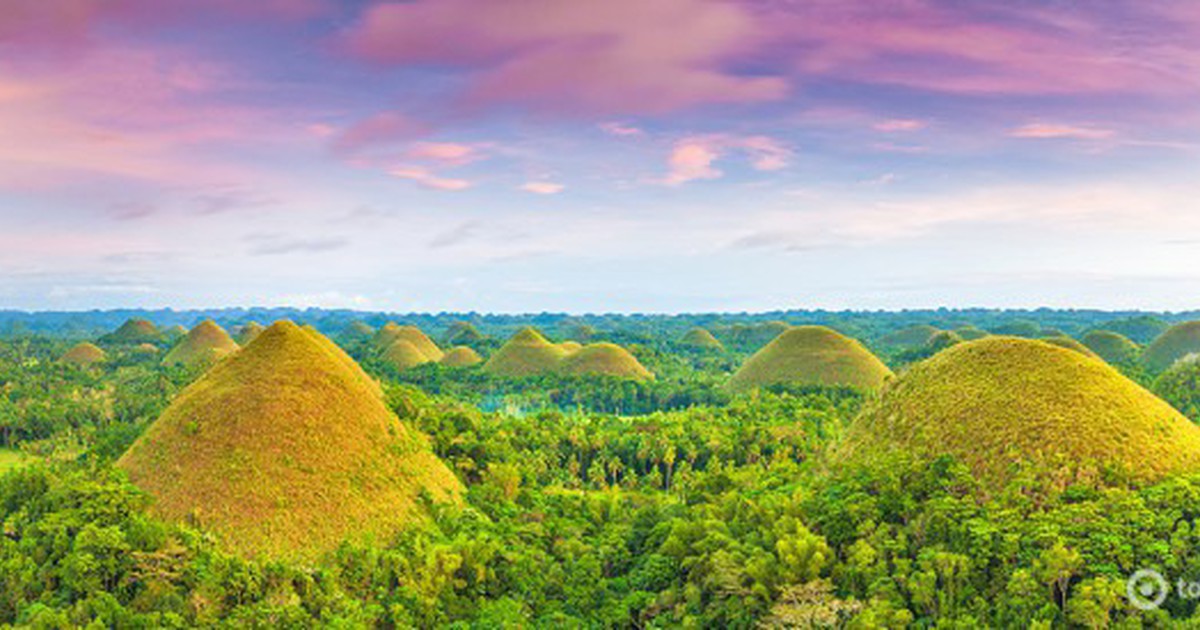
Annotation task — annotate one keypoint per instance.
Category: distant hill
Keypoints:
(525, 354)
(204, 345)
(604, 359)
(1175, 343)
(812, 355)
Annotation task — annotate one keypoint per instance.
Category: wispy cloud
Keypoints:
(1055, 130)
(542, 188)
(426, 178)
(896, 125)
(620, 129)
(277, 245)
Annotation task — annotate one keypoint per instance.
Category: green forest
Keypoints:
(292, 469)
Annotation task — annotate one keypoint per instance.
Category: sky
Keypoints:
(616, 156)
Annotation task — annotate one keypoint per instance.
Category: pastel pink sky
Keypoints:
(501, 139)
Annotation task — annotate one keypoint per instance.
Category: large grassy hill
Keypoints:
(1000, 403)
(284, 450)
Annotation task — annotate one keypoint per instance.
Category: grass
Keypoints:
(1110, 346)
(84, 354)
(914, 336)
(606, 359)
(525, 354)
(392, 332)
(247, 333)
(461, 356)
(402, 355)
(970, 333)
(286, 449)
(1002, 405)
(570, 346)
(134, 331)
(462, 332)
(701, 338)
(1069, 343)
(1177, 342)
(812, 355)
(204, 345)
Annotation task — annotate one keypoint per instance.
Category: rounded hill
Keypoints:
(700, 338)
(1002, 404)
(812, 355)
(392, 331)
(1071, 343)
(402, 355)
(204, 345)
(913, 336)
(284, 450)
(134, 331)
(1175, 343)
(525, 354)
(249, 332)
(1111, 346)
(461, 356)
(84, 354)
(606, 359)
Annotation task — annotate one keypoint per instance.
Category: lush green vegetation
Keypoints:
(600, 501)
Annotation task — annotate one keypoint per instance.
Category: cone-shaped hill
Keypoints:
(461, 356)
(1070, 343)
(913, 336)
(133, 332)
(392, 331)
(175, 332)
(570, 346)
(1003, 401)
(248, 333)
(525, 354)
(84, 354)
(1177, 342)
(461, 332)
(700, 338)
(204, 345)
(402, 355)
(357, 331)
(607, 359)
(812, 355)
(941, 340)
(1110, 346)
(145, 349)
(284, 450)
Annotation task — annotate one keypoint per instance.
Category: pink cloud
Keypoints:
(945, 47)
(1051, 130)
(578, 57)
(72, 23)
(381, 129)
(895, 125)
(542, 188)
(149, 115)
(446, 153)
(620, 129)
(694, 158)
(428, 179)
